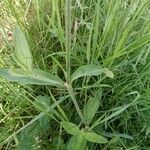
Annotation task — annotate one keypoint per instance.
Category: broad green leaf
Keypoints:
(35, 76)
(90, 109)
(22, 52)
(108, 73)
(77, 142)
(70, 128)
(87, 70)
(95, 138)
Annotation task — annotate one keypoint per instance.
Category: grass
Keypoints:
(100, 49)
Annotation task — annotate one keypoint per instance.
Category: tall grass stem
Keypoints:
(68, 38)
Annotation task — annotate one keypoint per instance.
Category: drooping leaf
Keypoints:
(70, 128)
(87, 70)
(35, 76)
(95, 138)
(90, 109)
(77, 142)
(22, 52)
(108, 73)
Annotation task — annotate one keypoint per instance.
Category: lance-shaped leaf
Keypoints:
(22, 52)
(35, 76)
(70, 128)
(87, 70)
(90, 109)
(95, 138)
(77, 142)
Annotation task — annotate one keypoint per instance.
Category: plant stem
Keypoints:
(68, 55)
(70, 90)
(68, 38)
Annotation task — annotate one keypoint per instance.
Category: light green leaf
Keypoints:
(70, 128)
(90, 109)
(35, 76)
(77, 142)
(22, 52)
(108, 73)
(95, 138)
(87, 70)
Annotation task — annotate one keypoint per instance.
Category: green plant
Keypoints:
(28, 75)
(106, 56)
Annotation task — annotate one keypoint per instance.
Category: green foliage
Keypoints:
(83, 72)
(23, 54)
(93, 137)
(31, 137)
(90, 109)
(71, 128)
(42, 102)
(35, 76)
(77, 142)
(87, 70)
(108, 73)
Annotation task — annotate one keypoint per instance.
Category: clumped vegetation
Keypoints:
(75, 75)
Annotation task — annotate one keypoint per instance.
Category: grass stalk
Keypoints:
(68, 38)
(68, 55)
